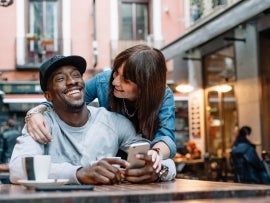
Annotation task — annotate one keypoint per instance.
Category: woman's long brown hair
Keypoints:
(146, 67)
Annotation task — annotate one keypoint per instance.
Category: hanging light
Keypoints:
(224, 88)
(184, 88)
(6, 3)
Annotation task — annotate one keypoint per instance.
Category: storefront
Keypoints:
(227, 61)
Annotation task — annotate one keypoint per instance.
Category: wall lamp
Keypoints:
(184, 88)
(224, 88)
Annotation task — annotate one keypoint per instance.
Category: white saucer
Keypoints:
(34, 183)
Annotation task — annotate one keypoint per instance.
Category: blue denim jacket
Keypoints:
(98, 87)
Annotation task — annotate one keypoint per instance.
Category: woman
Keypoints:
(248, 167)
(135, 87)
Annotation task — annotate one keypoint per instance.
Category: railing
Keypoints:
(36, 51)
(200, 9)
(120, 45)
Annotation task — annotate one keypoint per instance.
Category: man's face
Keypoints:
(66, 89)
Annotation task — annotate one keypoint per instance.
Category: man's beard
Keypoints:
(74, 107)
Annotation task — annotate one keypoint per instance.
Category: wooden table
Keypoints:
(180, 189)
(229, 200)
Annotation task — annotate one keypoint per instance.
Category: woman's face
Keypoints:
(124, 88)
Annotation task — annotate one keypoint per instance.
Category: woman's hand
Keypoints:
(156, 155)
(38, 128)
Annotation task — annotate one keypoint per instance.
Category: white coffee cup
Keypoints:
(37, 167)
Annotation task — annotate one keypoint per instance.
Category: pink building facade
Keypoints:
(34, 30)
(91, 29)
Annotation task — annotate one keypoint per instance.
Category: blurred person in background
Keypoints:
(247, 166)
(8, 137)
(7, 141)
(190, 151)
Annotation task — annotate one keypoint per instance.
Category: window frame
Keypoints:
(134, 27)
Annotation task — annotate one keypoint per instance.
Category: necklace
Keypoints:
(126, 110)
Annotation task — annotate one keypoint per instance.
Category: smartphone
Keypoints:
(64, 187)
(137, 148)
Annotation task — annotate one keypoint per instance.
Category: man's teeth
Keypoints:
(73, 92)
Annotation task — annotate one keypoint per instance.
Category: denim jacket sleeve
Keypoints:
(167, 121)
(98, 87)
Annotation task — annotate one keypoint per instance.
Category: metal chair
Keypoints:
(215, 168)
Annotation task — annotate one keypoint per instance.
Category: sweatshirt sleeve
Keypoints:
(26, 146)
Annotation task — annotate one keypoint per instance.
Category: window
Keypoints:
(216, 3)
(43, 18)
(181, 123)
(134, 20)
(43, 29)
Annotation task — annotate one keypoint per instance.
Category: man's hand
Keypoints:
(102, 172)
(145, 174)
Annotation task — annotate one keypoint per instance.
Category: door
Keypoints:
(221, 117)
(265, 81)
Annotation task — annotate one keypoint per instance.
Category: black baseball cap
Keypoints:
(57, 61)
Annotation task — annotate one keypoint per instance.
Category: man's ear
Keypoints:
(48, 96)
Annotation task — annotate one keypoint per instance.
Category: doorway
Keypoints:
(221, 109)
(221, 120)
(265, 81)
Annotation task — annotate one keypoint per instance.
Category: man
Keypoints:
(82, 135)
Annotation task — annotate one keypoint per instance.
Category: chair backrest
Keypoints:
(215, 168)
(266, 160)
(244, 172)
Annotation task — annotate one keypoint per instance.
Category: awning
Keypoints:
(217, 25)
(22, 102)
(23, 98)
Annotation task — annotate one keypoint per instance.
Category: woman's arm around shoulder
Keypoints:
(97, 87)
(37, 125)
